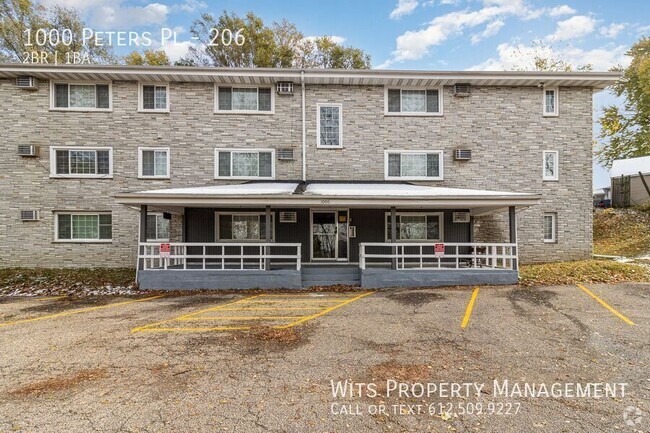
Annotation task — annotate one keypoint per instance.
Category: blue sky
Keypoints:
(416, 34)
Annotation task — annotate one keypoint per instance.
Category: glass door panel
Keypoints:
(324, 235)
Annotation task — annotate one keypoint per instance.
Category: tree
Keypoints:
(17, 16)
(546, 58)
(147, 57)
(280, 46)
(626, 133)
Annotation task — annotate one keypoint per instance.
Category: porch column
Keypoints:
(393, 235)
(267, 237)
(512, 219)
(143, 223)
(471, 229)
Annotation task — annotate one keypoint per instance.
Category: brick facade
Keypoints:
(503, 126)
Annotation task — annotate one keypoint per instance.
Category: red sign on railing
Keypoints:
(439, 250)
(165, 251)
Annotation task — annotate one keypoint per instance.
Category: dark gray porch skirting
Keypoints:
(376, 278)
(200, 279)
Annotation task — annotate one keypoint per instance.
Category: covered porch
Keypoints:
(300, 234)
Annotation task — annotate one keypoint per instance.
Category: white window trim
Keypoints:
(422, 152)
(243, 86)
(216, 163)
(556, 111)
(556, 176)
(318, 107)
(142, 149)
(553, 216)
(77, 241)
(441, 220)
(157, 214)
(53, 173)
(53, 106)
(259, 214)
(440, 90)
(141, 108)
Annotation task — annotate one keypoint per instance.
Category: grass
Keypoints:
(583, 271)
(622, 232)
(67, 279)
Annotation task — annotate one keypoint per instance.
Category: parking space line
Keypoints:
(470, 307)
(297, 301)
(606, 305)
(270, 308)
(51, 298)
(325, 311)
(76, 311)
(198, 319)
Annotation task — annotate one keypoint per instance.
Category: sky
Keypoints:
(416, 34)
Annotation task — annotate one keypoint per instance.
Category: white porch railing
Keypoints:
(217, 256)
(456, 255)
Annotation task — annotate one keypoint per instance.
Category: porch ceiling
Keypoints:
(330, 195)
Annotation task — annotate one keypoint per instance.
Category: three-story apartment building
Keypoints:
(210, 177)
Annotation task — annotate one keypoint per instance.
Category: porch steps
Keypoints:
(326, 275)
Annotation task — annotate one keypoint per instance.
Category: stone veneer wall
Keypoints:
(502, 126)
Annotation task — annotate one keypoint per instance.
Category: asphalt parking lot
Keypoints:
(250, 362)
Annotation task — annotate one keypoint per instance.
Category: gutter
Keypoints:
(304, 130)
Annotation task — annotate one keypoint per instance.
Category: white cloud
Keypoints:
(404, 7)
(127, 17)
(490, 30)
(415, 44)
(177, 50)
(612, 30)
(573, 28)
(561, 10)
(191, 6)
(516, 57)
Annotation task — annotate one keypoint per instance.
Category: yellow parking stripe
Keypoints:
(270, 308)
(77, 311)
(325, 311)
(297, 301)
(606, 305)
(470, 307)
(198, 319)
(216, 328)
(51, 298)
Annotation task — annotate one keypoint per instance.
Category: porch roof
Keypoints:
(329, 195)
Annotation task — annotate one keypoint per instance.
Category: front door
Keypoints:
(329, 235)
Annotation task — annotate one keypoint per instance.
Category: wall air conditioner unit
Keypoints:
(284, 88)
(26, 82)
(288, 217)
(29, 215)
(462, 154)
(285, 154)
(462, 90)
(27, 150)
(461, 217)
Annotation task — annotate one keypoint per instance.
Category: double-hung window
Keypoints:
(81, 96)
(154, 97)
(416, 227)
(551, 108)
(551, 164)
(550, 227)
(153, 162)
(413, 102)
(244, 164)
(413, 165)
(157, 227)
(81, 162)
(244, 100)
(245, 226)
(329, 126)
(83, 227)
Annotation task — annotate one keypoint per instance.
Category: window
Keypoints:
(245, 226)
(551, 102)
(244, 99)
(329, 126)
(154, 97)
(413, 165)
(550, 227)
(157, 227)
(244, 164)
(550, 165)
(81, 96)
(153, 162)
(81, 162)
(414, 102)
(416, 227)
(83, 227)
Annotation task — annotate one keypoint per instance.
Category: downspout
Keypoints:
(304, 128)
